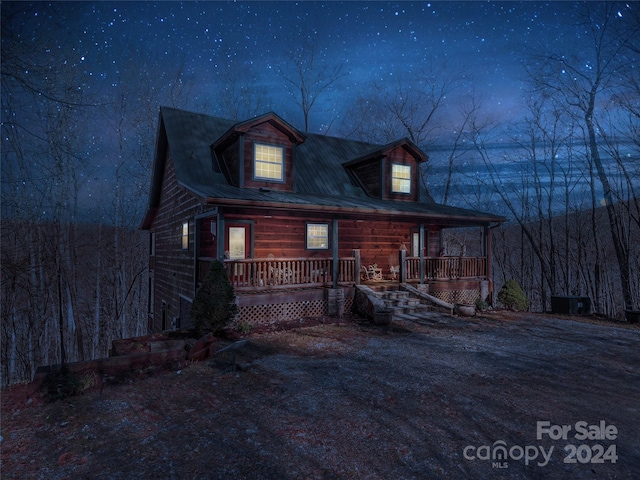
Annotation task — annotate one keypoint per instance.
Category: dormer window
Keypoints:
(400, 178)
(268, 162)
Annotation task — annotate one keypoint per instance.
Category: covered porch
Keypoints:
(296, 264)
(261, 274)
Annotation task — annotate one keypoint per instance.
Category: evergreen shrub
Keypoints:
(215, 303)
(512, 296)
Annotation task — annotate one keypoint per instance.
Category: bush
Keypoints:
(65, 384)
(214, 306)
(512, 296)
(481, 304)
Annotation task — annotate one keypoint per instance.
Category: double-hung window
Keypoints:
(268, 162)
(317, 236)
(400, 178)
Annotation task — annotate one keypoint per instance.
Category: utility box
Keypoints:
(571, 305)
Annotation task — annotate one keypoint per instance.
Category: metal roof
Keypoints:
(320, 178)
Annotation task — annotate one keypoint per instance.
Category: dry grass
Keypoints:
(346, 401)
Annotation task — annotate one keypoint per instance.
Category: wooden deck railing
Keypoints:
(256, 273)
(446, 268)
(265, 273)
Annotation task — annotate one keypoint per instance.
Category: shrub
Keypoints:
(481, 304)
(512, 296)
(65, 384)
(214, 306)
(244, 327)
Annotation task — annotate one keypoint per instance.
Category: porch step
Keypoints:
(401, 301)
(395, 294)
(409, 310)
(404, 304)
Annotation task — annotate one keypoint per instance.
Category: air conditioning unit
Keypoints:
(571, 305)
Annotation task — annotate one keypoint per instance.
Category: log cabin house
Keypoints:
(298, 219)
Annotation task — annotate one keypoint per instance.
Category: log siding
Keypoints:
(174, 272)
(204, 175)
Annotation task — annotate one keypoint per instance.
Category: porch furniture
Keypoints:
(394, 271)
(281, 276)
(364, 274)
(318, 276)
(372, 273)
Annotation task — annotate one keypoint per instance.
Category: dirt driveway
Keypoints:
(447, 398)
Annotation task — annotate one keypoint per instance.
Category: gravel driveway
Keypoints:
(447, 397)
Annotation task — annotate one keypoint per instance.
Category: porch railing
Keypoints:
(446, 268)
(264, 273)
(283, 272)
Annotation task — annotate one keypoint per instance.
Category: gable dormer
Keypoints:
(258, 153)
(390, 172)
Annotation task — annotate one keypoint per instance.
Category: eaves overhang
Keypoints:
(384, 150)
(241, 128)
(370, 213)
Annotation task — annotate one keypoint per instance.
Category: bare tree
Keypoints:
(582, 82)
(60, 277)
(240, 95)
(308, 77)
(408, 105)
(413, 105)
(467, 113)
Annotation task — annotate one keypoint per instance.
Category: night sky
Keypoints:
(110, 45)
(375, 40)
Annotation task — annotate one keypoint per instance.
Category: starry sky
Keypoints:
(183, 53)
(375, 42)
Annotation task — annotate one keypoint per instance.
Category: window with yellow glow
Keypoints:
(400, 178)
(268, 162)
(185, 236)
(317, 236)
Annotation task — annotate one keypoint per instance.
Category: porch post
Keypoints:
(356, 255)
(197, 222)
(220, 240)
(402, 257)
(334, 251)
(421, 251)
(487, 256)
(485, 250)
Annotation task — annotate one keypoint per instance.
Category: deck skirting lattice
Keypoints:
(467, 297)
(270, 308)
(270, 313)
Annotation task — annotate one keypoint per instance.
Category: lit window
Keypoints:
(185, 236)
(268, 162)
(237, 242)
(317, 236)
(401, 178)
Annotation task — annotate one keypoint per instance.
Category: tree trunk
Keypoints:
(615, 224)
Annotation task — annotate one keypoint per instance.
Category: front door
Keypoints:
(237, 242)
(238, 248)
(415, 244)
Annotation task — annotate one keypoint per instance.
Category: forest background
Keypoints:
(74, 262)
